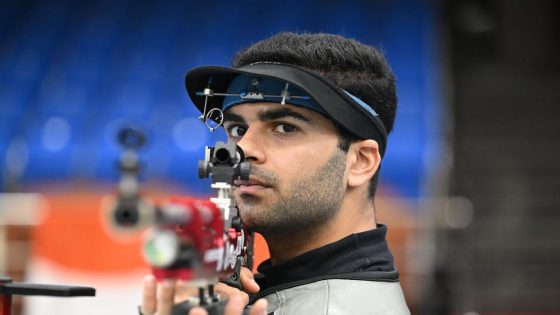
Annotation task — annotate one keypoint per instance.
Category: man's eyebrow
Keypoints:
(268, 116)
(231, 117)
(282, 113)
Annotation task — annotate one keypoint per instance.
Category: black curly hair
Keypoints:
(357, 68)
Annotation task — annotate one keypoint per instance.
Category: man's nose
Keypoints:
(252, 146)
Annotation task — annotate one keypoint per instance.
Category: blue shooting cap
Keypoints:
(250, 89)
(213, 87)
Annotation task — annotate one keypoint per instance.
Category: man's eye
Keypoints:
(237, 131)
(284, 128)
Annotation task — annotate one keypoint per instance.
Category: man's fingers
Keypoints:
(259, 308)
(235, 306)
(198, 311)
(248, 281)
(184, 291)
(165, 297)
(227, 292)
(148, 306)
(162, 300)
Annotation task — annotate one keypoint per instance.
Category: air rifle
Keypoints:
(200, 241)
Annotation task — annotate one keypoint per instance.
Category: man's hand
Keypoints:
(235, 306)
(159, 299)
(247, 283)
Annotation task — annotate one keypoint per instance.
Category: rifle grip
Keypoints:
(234, 280)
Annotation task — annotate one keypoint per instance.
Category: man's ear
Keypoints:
(364, 162)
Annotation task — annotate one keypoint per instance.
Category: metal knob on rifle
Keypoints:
(244, 170)
(203, 171)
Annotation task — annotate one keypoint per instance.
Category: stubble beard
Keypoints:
(308, 204)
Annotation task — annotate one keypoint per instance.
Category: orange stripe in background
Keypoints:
(261, 251)
(73, 236)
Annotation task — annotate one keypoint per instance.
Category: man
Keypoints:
(311, 113)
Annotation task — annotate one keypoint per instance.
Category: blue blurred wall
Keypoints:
(73, 72)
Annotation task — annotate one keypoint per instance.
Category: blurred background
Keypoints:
(469, 186)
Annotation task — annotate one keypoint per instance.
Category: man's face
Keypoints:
(297, 170)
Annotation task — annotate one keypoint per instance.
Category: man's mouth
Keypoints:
(250, 186)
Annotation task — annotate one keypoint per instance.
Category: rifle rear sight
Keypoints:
(224, 163)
